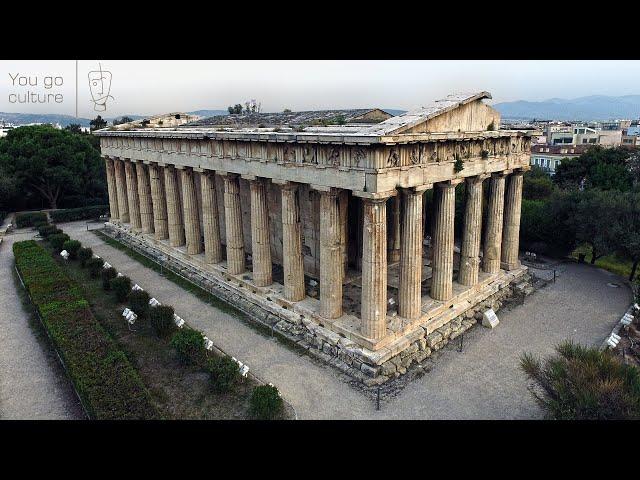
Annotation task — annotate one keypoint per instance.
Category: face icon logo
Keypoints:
(100, 86)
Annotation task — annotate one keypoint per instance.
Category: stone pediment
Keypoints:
(455, 113)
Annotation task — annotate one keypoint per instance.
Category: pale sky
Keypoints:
(154, 86)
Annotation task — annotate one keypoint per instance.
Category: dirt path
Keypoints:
(484, 381)
(33, 385)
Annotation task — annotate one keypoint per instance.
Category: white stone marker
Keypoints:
(490, 319)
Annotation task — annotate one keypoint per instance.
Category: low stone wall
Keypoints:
(370, 368)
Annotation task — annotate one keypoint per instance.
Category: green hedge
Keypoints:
(28, 219)
(73, 214)
(109, 385)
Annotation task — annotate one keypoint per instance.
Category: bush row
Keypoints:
(84, 213)
(109, 385)
(29, 219)
(265, 402)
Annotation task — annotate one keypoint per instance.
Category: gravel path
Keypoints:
(482, 382)
(33, 385)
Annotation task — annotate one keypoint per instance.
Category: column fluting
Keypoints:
(331, 268)
(159, 201)
(210, 219)
(442, 265)
(111, 186)
(472, 232)
(132, 195)
(174, 209)
(121, 189)
(493, 235)
(233, 224)
(260, 235)
(394, 248)
(144, 193)
(410, 285)
(511, 230)
(373, 306)
(292, 244)
(192, 232)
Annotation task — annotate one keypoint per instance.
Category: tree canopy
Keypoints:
(45, 162)
(598, 167)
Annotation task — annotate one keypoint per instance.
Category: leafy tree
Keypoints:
(629, 240)
(596, 221)
(537, 184)
(235, 110)
(121, 120)
(50, 163)
(603, 168)
(97, 123)
(74, 128)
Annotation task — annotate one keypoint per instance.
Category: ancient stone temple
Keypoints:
(337, 227)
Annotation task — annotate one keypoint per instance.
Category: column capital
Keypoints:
(478, 178)
(325, 189)
(501, 174)
(381, 196)
(419, 190)
(286, 184)
(522, 170)
(222, 173)
(450, 183)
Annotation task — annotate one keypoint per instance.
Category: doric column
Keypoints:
(132, 194)
(193, 235)
(472, 232)
(144, 193)
(409, 291)
(159, 201)
(331, 268)
(210, 220)
(493, 235)
(394, 248)
(121, 190)
(233, 224)
(292, 244)
(174, 210)
(343, 203)
(260, 237)
(373, 305)
(442, 265)
(511, 232)
(111, 186)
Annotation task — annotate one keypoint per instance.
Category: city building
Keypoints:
(314, 221)
(549, 157)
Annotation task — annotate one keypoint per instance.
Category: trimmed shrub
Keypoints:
(265, 402)
(73, 214)
(95, 266)
(108, 274)
(161, 317)
(584, 383)
(57, 240)
(72, 246)
(40, 223)
(28, 219)
(121, 286)
(139, 303)
(109, 385)
(85, 254)
(189, 344)
(224, 373)
(48, 229)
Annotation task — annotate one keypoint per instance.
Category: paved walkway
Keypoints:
(482, 382)
(33, 385)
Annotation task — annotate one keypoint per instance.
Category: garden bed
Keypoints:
(107, 383)
(178, 391)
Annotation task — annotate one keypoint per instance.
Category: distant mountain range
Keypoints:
(64, 120)
(595, 107)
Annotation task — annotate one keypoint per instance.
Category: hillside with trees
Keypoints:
(44, 167)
